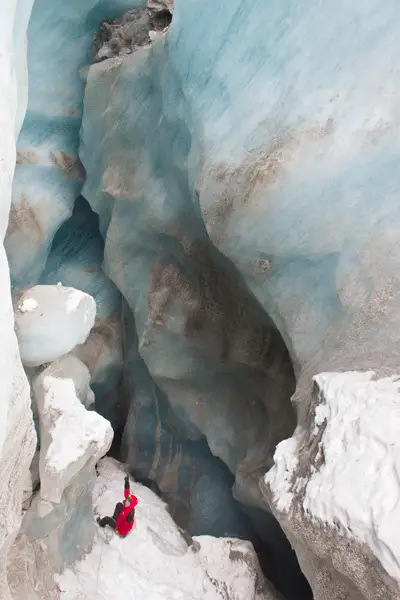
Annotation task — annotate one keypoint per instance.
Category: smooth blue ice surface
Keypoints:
(295, 110)
(280, 130)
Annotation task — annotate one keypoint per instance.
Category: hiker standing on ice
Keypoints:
(124, 514)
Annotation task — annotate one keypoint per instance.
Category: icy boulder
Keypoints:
(50, 320)
(336, 487)
(155, 562)
(68, 368)
(71, 437)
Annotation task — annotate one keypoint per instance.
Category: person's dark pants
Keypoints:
(111, 521)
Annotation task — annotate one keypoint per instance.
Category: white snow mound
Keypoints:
(154, 561)
(50, 320)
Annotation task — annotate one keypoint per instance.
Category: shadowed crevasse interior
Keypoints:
(163, 449)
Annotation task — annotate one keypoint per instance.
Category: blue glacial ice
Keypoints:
(204, 339)
(243, 170)
(49, 175)
(279, 148)
(75, 259)
(294, 113)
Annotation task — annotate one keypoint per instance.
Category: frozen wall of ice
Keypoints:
(270, 139)
(296, 182)
(75, 259)
(205, 341)
(17, 437)
(48, 174)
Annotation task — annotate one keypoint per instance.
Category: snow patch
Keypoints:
(358, 486)
(28, 305)
(279, 477)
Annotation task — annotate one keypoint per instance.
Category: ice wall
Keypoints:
(49, 175)
(204, 339)
(295, 112)
(277, 136)
(17, 437)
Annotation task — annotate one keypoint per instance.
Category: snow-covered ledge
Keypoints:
(336, 487)
(155, 561)
(17, 437)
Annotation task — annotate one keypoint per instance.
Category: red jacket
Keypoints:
(126, 517)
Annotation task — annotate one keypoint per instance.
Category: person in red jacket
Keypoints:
(124, 514)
